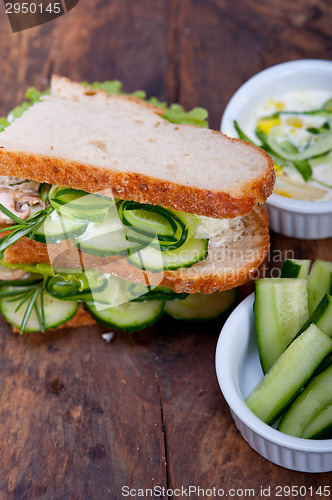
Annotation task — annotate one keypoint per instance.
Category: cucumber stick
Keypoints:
(289, 374)
(314, 398)
(320, 426)
(322, 316)
(200, 306)
(295, 268)
(319, 283)
(281, 308)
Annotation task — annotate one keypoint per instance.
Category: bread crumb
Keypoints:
(108, 337)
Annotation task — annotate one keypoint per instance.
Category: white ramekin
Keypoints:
(299, 219)
(238, 371)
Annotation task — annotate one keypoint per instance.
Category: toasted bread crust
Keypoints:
(226, 267)
(139, 187)
(145, 186)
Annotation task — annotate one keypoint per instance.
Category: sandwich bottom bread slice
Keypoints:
(73, 256)
(74, 288)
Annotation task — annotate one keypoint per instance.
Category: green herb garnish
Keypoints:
(21, 228)
(27, 295)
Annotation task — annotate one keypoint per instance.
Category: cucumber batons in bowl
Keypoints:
(239, 370)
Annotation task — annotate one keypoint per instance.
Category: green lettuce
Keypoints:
(32, 95)
(174, 113)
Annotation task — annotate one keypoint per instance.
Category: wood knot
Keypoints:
(97, 452)
(55, 386)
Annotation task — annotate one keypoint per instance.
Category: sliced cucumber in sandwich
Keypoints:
(130, 316)
(200, 306)
(80, 204)
(59, 227)
(108, 238)
(151, 259)
(56, 312)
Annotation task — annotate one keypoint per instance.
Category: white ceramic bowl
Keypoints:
(299, 219)
(238, 371)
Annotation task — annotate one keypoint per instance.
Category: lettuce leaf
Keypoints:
(174, 113)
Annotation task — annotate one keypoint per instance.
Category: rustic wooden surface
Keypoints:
(79, 418)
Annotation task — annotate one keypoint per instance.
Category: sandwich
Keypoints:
(111, 209)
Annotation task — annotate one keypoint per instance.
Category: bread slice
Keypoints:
(232, 259)
(87, 139)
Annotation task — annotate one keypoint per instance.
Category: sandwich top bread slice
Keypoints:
(98, 142)
(194, 225)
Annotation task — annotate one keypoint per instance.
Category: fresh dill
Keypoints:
(22, 228)
(26, 292)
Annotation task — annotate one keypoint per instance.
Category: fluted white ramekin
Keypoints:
(238, 371)
(300, 219)
(295, 218)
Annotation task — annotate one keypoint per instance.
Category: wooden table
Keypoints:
(79, 418)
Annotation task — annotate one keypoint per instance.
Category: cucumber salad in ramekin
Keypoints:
(296, 131)
(287, 110)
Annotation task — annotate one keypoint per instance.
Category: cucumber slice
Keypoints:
(289, 374)
(281, 308)
(319, 283)
(316, 396)
(200, 306)
(130, 316)
(80, 204)
(141, 293)
(321, 317)
(58, 227)
(295, 268)
(71, 288)
(320, 426)
(57, 311)
(155, 220)
(151, 259)
(320, 145)
(108, 238)
(153, 225)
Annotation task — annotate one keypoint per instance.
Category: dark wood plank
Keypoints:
(220, 44)
(79, 418)
(98, 40)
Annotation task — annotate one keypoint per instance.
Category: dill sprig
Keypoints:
(22, 228)
(26, 294)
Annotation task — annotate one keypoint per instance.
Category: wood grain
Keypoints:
(79, 418)
(220, 44)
